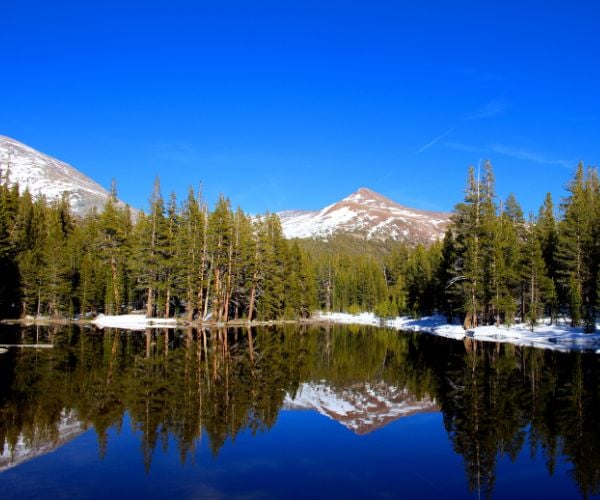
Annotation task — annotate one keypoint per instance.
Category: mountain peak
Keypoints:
(366, 195)
(368, 214)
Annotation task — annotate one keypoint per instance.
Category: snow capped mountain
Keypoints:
(366, 213)
(362, 407)
(47, 176)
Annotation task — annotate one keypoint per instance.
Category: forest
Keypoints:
(181, 259)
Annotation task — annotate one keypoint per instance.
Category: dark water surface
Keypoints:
(293, 412)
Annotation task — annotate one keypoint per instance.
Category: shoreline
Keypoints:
(557, 337)
(136, 322)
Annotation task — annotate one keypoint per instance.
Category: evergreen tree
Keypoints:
(548, 236)
(513, 241)
(273, 256)
(468, 228)
(112, 247)
(220, 248)
(448, 298)
(187, 256)
(575, 252)
(9, 284)
(533, 275)
(149, 255)
(56, 285)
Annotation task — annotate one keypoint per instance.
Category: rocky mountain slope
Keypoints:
(361, 407)
(369, 214)
(44, 175)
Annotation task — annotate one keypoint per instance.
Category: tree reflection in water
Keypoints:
(188, 385)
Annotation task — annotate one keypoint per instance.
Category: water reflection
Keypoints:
(183, 386)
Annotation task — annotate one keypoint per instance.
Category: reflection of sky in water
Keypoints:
(305, 455)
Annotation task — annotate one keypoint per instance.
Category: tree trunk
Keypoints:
(150, 304)
(252, 298)
(168, 303)
(115, 276)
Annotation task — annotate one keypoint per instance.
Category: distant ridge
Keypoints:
(368, 214)
(44, 175)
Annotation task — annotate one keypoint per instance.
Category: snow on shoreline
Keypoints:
(556, 337)
(133, 322)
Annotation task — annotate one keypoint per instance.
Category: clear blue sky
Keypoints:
(296, 104)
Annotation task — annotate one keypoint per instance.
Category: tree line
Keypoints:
(494, 265)
(178, 259)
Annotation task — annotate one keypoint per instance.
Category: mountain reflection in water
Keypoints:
(176, 387)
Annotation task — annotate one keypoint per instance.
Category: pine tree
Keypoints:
(56, 285)
(220, 247)
(187, 257)
(244, 265)
(448, 299)
(533, 274)
(9, 284)
(31, 243)
(150, 248)
(112, 250)
(547, 230)
(468, 229)
(513, 242)
(575, 248)
(273, 255)
(169, 268)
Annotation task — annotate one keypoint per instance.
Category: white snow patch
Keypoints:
(133, 322)
(559, 337)
(350, 319)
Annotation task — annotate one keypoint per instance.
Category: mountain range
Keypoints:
(364, 214)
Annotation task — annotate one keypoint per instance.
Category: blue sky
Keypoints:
(296, 104)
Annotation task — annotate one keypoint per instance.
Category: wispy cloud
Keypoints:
(439, 138)
(512, 152)
(528, 155)
(493, 108)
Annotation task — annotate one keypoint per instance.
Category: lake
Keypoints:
(293, 412)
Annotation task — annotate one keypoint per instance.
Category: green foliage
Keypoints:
(491, 267)
(501, 268)
(577, 255)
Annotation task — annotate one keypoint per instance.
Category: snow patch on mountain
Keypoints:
(367, 213)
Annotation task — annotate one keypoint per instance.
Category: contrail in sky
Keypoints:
(427, 146)
(492, 108)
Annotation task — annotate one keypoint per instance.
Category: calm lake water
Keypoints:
(293, 412)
